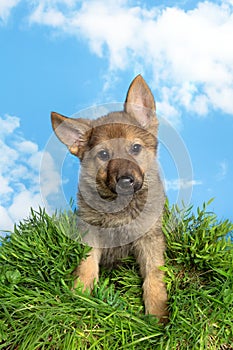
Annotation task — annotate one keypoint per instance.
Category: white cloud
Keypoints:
(27, 147)
(6, 221)
(22, 202)
(8, 125)
(20, 167)
(5, 188)
(189, 51)
(48, 16)
(180, 184)
(166, 109)
(49, 177)
(5, 8)
(223, 169)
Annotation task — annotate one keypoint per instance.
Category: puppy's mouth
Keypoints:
(126, 185)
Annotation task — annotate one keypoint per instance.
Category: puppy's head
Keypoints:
(116, 150)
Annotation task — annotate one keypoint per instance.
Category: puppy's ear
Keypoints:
(73, 133)
(140, 103)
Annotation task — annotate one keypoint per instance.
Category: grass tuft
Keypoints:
(38, 310)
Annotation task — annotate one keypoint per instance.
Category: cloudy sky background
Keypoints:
(68, 55)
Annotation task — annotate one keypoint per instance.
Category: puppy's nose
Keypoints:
(125, 182)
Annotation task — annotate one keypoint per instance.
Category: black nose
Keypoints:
(125, 183)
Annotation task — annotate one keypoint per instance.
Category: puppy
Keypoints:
(120, 196)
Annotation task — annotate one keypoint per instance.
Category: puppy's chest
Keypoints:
(111, 215)
(112, 256)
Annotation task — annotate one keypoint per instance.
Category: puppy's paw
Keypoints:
(85, 282)
(157, 308)
(87, 272)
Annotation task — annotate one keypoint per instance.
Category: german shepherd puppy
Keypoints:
(120, 195)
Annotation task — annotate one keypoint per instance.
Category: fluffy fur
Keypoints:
(120, 194)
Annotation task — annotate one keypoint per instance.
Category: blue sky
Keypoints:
(68, 56)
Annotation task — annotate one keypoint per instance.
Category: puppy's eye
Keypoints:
(136, 148)
(103, 155)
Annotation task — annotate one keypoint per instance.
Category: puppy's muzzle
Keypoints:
(124, 176)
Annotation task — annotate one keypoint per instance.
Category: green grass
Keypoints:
(38, 310)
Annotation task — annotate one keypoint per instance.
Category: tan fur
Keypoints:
(132, 225)
(88, 270)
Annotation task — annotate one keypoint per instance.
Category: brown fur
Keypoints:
(123, 181)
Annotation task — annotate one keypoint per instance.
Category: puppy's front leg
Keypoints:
(149, 254)
(155, 295)
(88, 270)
